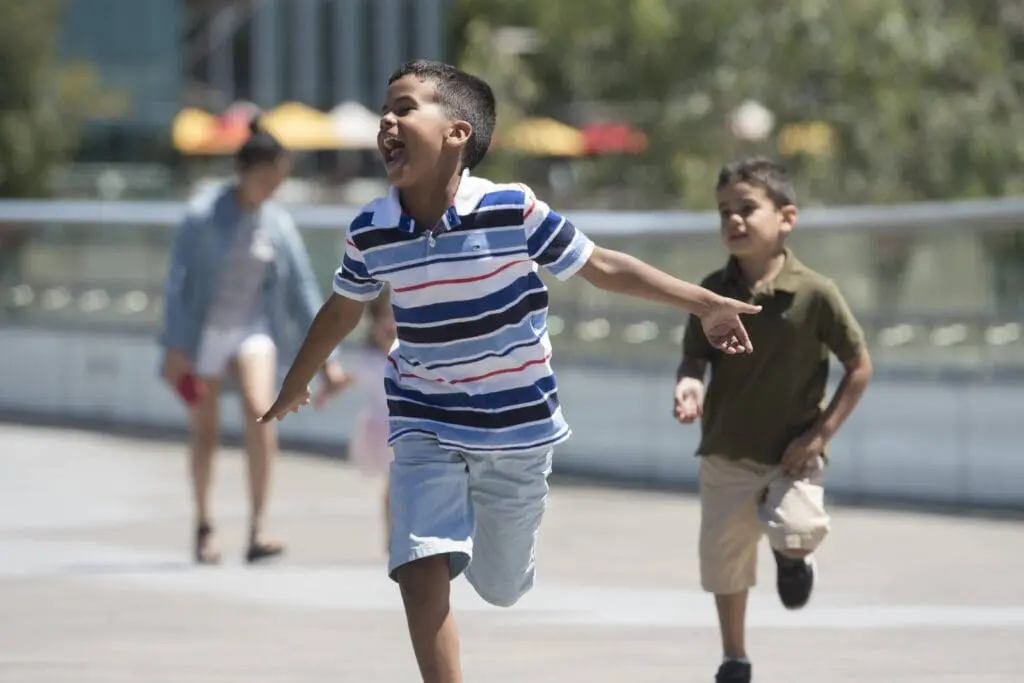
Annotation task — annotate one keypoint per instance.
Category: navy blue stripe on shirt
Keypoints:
(444, 332)
(472, 363)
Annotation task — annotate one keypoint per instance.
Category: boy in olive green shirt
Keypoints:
(764, 431)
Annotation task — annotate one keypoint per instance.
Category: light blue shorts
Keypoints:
(481, 509)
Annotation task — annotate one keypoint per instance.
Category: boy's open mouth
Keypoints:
(393, 151)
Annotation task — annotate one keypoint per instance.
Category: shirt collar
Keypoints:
(788, 279)
(389, 213)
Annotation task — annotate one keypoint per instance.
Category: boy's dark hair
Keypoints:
(260, 148)
(770, 175)
(462, 96)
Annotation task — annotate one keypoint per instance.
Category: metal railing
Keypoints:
(936, 286)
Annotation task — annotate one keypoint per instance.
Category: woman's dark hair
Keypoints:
(260, 148)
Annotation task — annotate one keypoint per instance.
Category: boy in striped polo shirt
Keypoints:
(473, 403)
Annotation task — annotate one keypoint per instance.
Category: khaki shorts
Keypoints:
(740, 501)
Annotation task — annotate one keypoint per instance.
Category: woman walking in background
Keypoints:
(239, 284)
(368, 447)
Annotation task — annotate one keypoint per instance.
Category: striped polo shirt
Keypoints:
(472, 363)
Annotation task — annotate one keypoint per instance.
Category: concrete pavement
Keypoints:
(96, 586)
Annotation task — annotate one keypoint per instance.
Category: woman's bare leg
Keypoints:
(204, 419)
(256, 369)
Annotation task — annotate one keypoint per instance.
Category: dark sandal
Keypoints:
(204, 552)
(260, 551)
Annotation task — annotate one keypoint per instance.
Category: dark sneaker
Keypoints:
(733, 672)
(795, 580)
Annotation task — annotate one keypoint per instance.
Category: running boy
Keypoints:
(473, 404)
(764, 431)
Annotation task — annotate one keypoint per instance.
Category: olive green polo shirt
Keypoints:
(757, 403)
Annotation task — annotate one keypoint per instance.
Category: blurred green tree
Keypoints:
(873, 100)
(38, 127)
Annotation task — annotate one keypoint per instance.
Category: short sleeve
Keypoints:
(695, 342)
(352, 279)
(552, 240)
(837, 328)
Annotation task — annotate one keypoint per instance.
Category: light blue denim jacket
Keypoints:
(290, 297)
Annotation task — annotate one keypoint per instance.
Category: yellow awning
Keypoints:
(300, 127)
(543, 137)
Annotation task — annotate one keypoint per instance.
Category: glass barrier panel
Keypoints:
(924, 297)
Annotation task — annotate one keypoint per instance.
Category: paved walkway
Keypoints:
(95, 586)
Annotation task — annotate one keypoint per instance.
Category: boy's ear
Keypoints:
(789, 215)
(458, 134)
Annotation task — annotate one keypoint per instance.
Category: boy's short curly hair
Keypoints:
(762, 172)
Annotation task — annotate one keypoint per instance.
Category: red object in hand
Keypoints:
(190, 388)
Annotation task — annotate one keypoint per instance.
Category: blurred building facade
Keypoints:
(161, 55)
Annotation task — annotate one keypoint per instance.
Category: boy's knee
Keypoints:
(735, 582)
(504, 593)
(728, 559)
(420, 580)
(797, 541)
(502, 597)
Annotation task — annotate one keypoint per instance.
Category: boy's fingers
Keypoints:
(270, 415)
(743, 338)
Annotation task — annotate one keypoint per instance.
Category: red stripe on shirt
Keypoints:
(477, 378)
(458, 281)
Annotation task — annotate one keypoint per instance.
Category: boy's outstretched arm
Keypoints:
(554, 242)
(335, 321)
(617, 272)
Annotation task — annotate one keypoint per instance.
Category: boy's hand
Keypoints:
(287, 402)
(689, 401)
(334, 380)
(723, 328)
(801, 452)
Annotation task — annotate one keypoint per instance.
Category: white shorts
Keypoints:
(219, 346)
(483, 510)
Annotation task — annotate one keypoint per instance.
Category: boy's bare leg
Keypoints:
(732, 622)
(426, 594)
